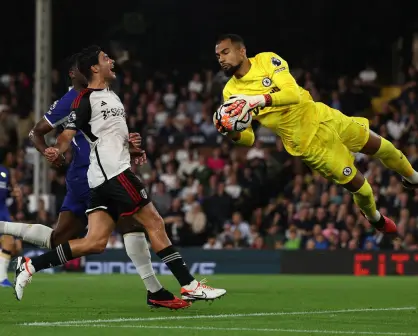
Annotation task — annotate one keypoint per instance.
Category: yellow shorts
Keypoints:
(338, 136)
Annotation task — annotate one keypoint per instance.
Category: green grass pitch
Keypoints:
(77, 304)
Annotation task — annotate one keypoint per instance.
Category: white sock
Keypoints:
(375, 218)
(4, 265)
(37, 234)
(137, 249)
(413, 178)
(192, 285)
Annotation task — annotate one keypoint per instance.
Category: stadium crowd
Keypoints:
(219, 196)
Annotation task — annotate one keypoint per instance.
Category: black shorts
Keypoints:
(122, 195)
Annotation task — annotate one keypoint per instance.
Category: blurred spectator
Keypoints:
(212, 244)
(161, 199)
(293, 241)
(196, 218)
(170, 98)
(396, 126)
(215, 162)
(256, 152)
(115, 242)
(196, 85)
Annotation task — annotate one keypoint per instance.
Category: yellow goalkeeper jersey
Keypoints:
(294, 115)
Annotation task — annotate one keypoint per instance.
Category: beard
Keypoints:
(231, 70)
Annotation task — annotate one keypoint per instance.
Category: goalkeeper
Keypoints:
(322, 136)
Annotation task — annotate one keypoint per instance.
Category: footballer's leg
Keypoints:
(357, 137)
(136, 246)
(7, 247)
(191, 289)
(101, 225)
(124, 200)
(392, 158)
(363, 196)
(328, 155)
(140, 207)
(71, 224)
(72, 220)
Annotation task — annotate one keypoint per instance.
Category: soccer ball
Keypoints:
(231, 123)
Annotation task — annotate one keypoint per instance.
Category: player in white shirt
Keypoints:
(115, 190)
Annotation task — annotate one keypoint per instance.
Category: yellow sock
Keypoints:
(394, 159)
(365, 200)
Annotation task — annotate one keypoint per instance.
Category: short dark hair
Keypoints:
(72, 62)
(86, 59)
(3, 154)
(233, 37)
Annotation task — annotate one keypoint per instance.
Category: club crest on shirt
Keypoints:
(275, 61)
(266, 81)
(347, 171)
(72, 117)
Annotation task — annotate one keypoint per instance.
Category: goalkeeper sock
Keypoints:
(56, 257)
(37, 234)
(177, 266)
(365, 201)
(137, 249)
(395, 160)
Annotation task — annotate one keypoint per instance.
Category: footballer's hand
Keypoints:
(138, 156)
(59, 161)
(135, 140)
(241, 104)
(51, 154)
(141, 159)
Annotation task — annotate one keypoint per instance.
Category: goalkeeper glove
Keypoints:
(242, 104)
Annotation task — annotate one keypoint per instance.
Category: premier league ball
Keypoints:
(233, 122)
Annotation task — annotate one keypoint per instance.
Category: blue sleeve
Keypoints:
(60, 109)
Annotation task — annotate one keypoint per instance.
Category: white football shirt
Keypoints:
(100, 115)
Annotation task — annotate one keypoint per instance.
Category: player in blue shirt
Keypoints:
(72, 219)
(7, 241)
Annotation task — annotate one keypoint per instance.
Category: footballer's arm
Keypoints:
(61, 146)
(37, 135)
(77, 119)
(289, 93)
(245, 138)
(64, 140)
(278, 69)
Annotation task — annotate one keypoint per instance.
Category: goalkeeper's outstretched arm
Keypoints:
(245, 138)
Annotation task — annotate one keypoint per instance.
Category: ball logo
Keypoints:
(347, 171)
(266, 82)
